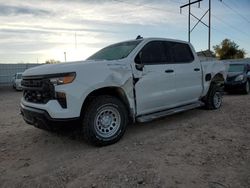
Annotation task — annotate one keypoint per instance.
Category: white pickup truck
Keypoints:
(136, 80)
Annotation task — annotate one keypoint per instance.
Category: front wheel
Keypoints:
(105, 120)
(213, 99)
(247, 88)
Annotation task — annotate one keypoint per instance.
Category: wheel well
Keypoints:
(112, 91)
(218, 79)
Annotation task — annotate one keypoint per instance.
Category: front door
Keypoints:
(155, 88)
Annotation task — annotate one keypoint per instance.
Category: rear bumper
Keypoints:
(41, 118)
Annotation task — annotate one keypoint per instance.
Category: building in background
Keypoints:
(206, 55)
(7, 71)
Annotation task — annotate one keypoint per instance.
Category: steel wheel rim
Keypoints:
(217, 99)
(107, 121)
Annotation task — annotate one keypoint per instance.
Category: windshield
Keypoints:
(236, 68)
(18, 76)
(115, 51)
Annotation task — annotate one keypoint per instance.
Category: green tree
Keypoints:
(52, 61)
(228, 49)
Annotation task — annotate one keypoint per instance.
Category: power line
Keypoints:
(216, 17)
(199, 19)
(164, 10)
(235, 11)
(228, 24)
(145, 6)
(179, 2)
(227, 34)
(234, 4)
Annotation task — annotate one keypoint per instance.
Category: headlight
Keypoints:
(239, 78)
(63, 79)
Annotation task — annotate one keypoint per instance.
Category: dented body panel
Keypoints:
(212, 68)
(146, 91)
(90, 76)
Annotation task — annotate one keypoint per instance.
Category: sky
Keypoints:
(33, 31)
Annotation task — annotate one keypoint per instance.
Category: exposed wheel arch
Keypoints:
(218, 79)
(111, 91)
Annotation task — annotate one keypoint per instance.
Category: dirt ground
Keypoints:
(197, 148)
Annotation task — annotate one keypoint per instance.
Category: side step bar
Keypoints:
(150, 117)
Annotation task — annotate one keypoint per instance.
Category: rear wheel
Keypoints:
(105, 120)
(213, 99)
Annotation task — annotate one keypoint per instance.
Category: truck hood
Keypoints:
(68, 67)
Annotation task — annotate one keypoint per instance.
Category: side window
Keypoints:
(168, 51)
(180, 52)
(153, 53)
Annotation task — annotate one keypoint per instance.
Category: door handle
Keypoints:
(169, 71)
(196, 69)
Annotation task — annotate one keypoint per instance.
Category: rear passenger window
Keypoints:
(153, 53)
(179, 52)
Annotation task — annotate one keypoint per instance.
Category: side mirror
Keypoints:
(138, 62)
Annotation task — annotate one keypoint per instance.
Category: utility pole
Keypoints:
(199, 20)
(65, 56)
(189, 12)
(209, 25)
(75, 41)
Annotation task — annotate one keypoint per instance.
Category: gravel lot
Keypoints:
(197, 148)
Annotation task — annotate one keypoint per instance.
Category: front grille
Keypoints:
(230, 79)
(32, 83)
(38, 90)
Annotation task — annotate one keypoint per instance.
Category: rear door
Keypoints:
(188, 73)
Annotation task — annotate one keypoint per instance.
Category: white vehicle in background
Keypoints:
(132, 81)
(16, 81)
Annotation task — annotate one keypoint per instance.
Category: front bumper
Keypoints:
(41, 119)
(235, 86)
(18, 86)
(40, 94)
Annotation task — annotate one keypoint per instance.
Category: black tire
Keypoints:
(104, 120)
(213, 100)
(247, 88)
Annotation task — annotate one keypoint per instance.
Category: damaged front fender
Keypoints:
(115, 76)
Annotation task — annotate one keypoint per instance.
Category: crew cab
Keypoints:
(132, 81)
